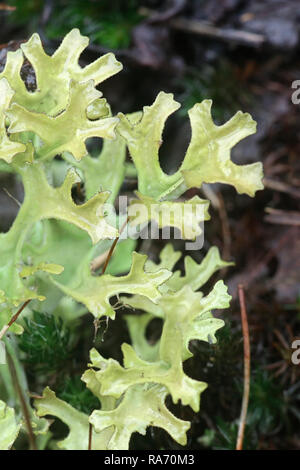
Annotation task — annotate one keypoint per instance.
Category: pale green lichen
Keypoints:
(47, 253)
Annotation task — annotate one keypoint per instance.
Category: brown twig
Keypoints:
(203, 29)
(3, 6)
(98, 261)
(13, 319)
(230, 35)
(159, 17)
(245, 328)
(90, 436)
(23, 403)
(109, 255)
(226, 253)
(218, 203)
(113, 246)
(281, 187)
(276, 216)
(258, 264)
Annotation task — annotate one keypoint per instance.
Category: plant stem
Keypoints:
(245, 328)
(103, 271)
(98, 262)
(113, 246)
(13, 319)
(22, 400)
(90, 436)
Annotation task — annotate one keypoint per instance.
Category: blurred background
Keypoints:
(243, 54)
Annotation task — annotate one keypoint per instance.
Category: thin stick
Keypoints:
(277, 216)
(204, 29)
(230, 35)
(103, 271)
(113, 246)
(23, 403)
(281, 187)
(90, 436)
(12, 197)
(7, 7)
(13, 319)
(245, 328)
(98, 261)
(225, 229)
